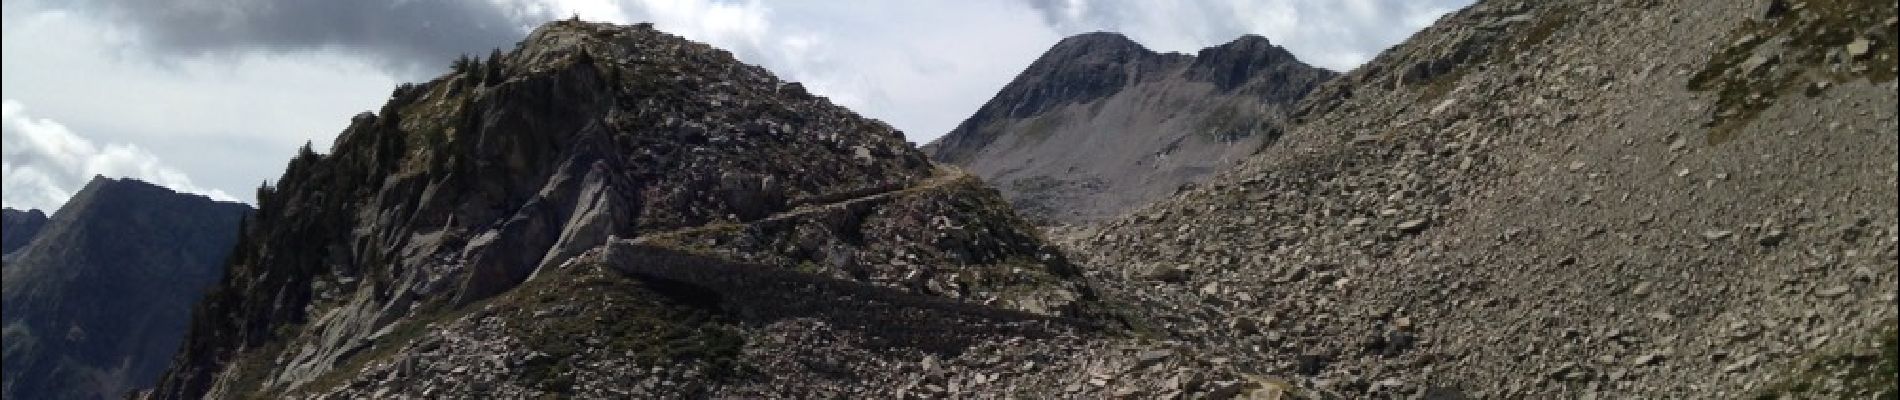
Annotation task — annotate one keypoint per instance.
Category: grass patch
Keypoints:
(1042, 127)
(1801, 50)
(1541, 30)
(565, 312)
(254, 365)
(1228, 123)
(660, 323)
(1439, 86)
(387, 346)
(1863, 372)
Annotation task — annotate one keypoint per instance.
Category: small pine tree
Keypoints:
(495, 73)
(402, 89)
(265, 194)
(478, 72)
(462, 64)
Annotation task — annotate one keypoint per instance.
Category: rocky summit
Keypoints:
(1099, 124)
(613, 211)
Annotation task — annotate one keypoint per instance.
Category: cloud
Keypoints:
(410, 37)
(920, 66)
(45, 162)
(924, 66)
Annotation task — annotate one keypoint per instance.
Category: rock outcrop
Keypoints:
(474, 200)
(97, 304)
(1099, 125)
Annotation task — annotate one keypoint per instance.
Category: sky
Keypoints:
(214, 96)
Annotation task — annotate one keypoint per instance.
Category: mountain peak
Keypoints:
(1232, 64)
(561, 40)
(102, 182)
(1247, 40)
(101, 188)
(1098, 42)
(1101, 48)
(1073, 164)
(116, 189)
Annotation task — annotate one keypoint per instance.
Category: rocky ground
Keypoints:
(1532, 200)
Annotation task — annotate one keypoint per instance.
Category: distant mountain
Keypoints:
(1100, 124)
(19, 228)
(97, 304)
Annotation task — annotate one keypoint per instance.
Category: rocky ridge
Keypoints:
(473, 219)
(1549, 199)
(1099, 124)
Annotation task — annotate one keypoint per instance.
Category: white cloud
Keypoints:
(45, 162)
(230, 121)
(920, 66)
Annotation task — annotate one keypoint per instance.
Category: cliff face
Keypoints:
(96, 305)
(509, 168)
(1099, 125)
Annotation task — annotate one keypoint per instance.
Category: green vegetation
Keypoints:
(1803, 50)
(253, 366)
(1547, 24)
(669, 324)
(1229, 122)
(1873, 372)
(1042, 127)
(388, 346)
(1439, 86)
(603, 310)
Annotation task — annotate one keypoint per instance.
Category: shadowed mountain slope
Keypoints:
(1099, 124)
(97, 304)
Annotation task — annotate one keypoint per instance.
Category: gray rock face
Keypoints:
(96, 306)
(19, 228)
(1099, 124)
